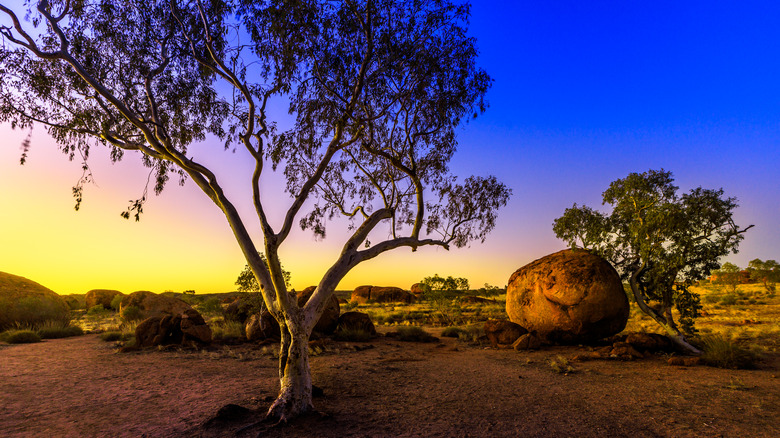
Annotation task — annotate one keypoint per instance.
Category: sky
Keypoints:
(584, 93)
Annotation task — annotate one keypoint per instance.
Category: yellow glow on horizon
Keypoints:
(182, 241)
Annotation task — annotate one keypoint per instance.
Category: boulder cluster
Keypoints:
(166, 321)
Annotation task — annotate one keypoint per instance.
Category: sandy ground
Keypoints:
(80, 387)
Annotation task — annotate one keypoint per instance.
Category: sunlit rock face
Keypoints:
(570, 296)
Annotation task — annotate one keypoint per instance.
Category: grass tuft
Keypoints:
(352, 334)
(20, 337)
(413, 333)
(718, 351)
(561, 365)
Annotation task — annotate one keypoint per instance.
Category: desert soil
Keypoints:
(81, 387)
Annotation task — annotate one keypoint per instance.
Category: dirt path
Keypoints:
(80, 387)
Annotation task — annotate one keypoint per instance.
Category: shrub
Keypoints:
(561, 365)
(728, 300)
(131, 313)
(211, 305)
(352, 334)
(20, 337)
(349, 306)
(723, 353)
(413, 333)
(227, 330)
(116, 301)
(97, 310)
(711, 299)
(471, 334)
(56, 330)
(451, 332)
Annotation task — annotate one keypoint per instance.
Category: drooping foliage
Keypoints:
(376, 88)
(661, 242)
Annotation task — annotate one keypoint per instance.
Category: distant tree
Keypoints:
(247, 282)
(659, 241)
(377, 89)
(449, 284)
(766, 272)
(728, 275)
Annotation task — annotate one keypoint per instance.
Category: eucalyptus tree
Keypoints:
(767, 272)
(377, 89)
(659, 241)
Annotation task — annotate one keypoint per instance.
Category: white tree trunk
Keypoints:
(295, 396)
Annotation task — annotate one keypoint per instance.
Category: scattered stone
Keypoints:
(624, 351)
(528, 341)
(649, 342)
(503, 333)
(684, 361)
(571, 296)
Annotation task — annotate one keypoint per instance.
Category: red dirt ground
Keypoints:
(80, 387)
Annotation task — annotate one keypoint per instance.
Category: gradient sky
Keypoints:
(584, 93)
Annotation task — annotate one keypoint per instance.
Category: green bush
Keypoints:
(561, 365)
(56, 330)
(131, 313)
(711, 298)
(728, 300)
(97, 310)
(723, 353)
(211, 305)
(20, 337)
(413, 333)
(471, 334)
(451, 332)
(116, 301)
(227, 330)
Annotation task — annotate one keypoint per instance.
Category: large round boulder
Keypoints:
(363, 294)
(330, 316)
(27, 303)
(570, 296)
(262, 326)
(356, 321)
(101, 297)
(151, 304)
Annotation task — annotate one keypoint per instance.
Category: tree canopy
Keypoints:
(377, 89)
(767, 272)
(661, 242)
(450, 284)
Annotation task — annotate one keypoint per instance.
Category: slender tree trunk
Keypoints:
(294, 374)
(666, 322)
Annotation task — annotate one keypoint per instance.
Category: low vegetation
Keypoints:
(20, 336)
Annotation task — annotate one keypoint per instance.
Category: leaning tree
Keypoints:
(377, 89)
(659, 241)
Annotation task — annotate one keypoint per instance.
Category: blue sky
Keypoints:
(584, 93)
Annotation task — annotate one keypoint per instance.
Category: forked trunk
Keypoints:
(294, 375)
(664, 321)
